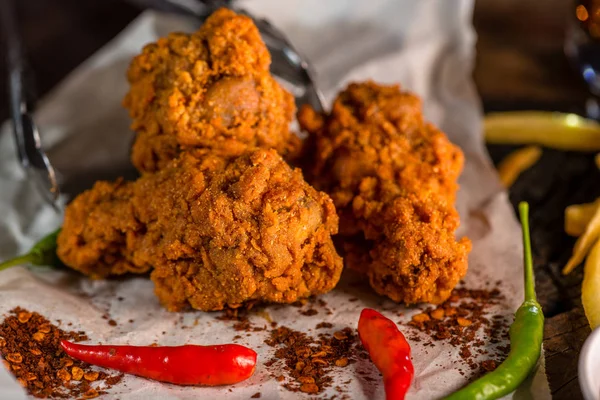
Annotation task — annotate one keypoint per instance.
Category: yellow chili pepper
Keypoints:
(591, 287)
(548, 129)
(578, 216)
(584, 243)
(516, 162)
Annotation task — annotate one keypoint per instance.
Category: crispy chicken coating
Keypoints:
(392, 177)
(209, 89)
(217, 231)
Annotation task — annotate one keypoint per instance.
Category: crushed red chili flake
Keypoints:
(235, 314)
(31, 350)
(316, 359)
(309, 362)
(242, 326)
(314, 303)
(459, 320)
(255, 395)
(489, 365)
(240, 316)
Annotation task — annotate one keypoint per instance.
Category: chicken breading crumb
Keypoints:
(217, 231)
(392, 177)
(209, 89)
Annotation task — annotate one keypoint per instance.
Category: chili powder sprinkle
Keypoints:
(310, 362)
(29, 344)
(458, 322)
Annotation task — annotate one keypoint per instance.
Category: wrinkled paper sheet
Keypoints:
(427, 46)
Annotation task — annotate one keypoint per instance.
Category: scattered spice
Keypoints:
(236, 314)
(309, 388)
(339, 335)
(458, 321)
(29, 344)
(77, 373)
(64, 375)
(240, 316)
(488, 365)
(311, 369)
(243, 325)
(308, 361)
(15, 358)
(255, 395)
(91, 376)
(420, 318)
(91, 393)
(24, 316)
(341, 362)
(438, 314)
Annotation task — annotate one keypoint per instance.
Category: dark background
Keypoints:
(520, 65)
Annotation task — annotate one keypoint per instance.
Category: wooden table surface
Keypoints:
(520, 65)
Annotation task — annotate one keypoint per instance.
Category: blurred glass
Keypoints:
(582, 44)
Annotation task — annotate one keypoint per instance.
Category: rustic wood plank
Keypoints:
(563, 338)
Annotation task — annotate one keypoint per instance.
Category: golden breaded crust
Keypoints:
(217, 231)
(392, 177)
(210, 89)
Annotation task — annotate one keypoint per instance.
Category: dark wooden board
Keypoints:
(556, 181)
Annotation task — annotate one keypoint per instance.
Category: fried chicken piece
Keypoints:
(217, 231)
(101, 235)
(209, 89)
(392, 177)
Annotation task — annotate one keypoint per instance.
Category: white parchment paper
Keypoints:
(426, 45)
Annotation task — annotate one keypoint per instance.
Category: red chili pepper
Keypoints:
(183, 365)
(389, 351)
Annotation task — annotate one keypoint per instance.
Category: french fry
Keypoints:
(515, 163)
(590, 288)
(597, 160)
(584, 243)
(578, 216)
(555, 130)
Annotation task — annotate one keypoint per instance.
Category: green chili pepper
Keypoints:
(42, 253)
(526, 334)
